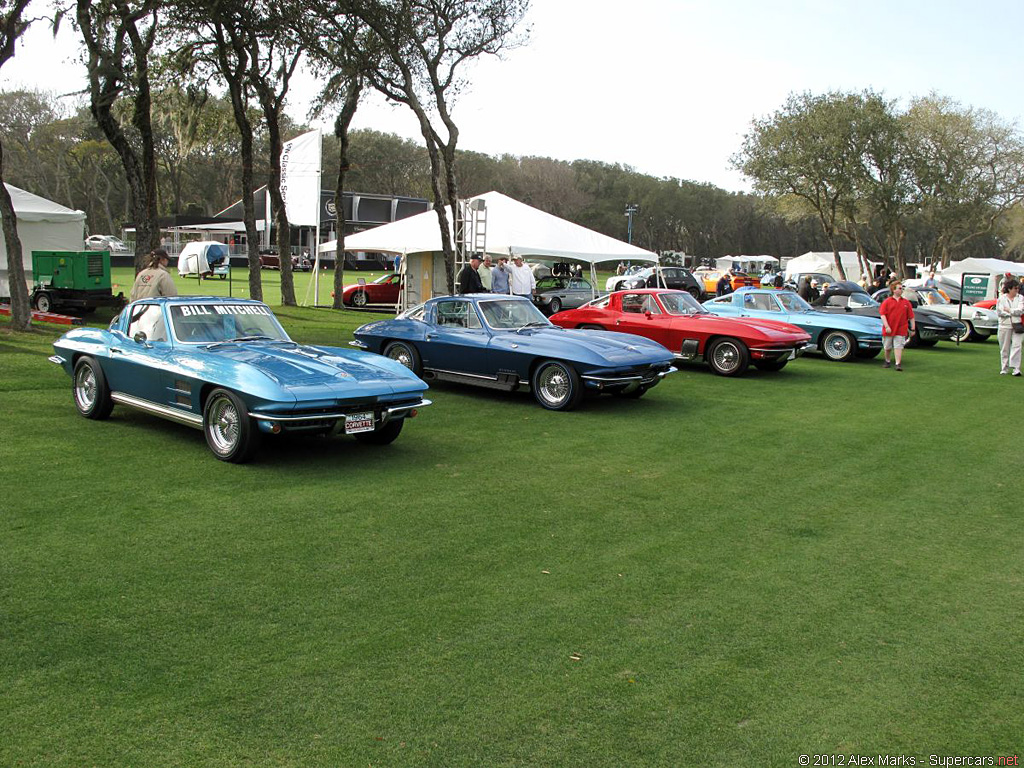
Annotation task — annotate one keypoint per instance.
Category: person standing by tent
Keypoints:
(522, 280)
(1009, 308)
(469, 276)
(154, 280)
(499, 277)
(897, 315)
(485, 273)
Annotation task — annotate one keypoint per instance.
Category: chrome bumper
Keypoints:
(631, 382)
(392, 412)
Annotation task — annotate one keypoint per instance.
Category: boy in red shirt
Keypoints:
(897, 323)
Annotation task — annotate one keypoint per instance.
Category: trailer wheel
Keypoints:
(43, 301)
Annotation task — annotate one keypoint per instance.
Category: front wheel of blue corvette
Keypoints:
(405, 354)
(89, 387)
(557, 386)
(229, 431)
(382, 435)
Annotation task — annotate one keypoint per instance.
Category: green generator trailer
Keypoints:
(78, 280)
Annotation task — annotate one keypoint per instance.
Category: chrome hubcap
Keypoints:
(85, 387)
(726, 357)
(223, 426)
(554, 384)
(837, 345)
(402, 355)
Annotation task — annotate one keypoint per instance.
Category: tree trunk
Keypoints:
(341, 125)
(21, 313)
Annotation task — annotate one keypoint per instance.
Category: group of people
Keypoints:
(482, 276)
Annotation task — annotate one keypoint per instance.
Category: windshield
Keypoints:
(858, 300)
(551, 283)
(931, 296)
(680, 303)
(206, 323)
(793, 303)
(510, 314)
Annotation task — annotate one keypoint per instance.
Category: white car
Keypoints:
(978, 323)
(105, 243)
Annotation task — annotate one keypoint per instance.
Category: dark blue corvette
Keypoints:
(227, 366)
(504, 342)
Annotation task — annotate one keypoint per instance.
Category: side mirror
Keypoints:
(140, 337)
(647, 314)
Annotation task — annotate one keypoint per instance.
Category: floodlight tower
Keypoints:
(631, 208)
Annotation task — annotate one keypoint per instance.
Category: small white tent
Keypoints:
(995, 269)
(43, 225)
(512, 229)
(825, 262)
(746, 263)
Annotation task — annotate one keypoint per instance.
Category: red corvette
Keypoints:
(677, 321)
(383, 290)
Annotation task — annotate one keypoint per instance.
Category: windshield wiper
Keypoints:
(532, 324)
(253, 338)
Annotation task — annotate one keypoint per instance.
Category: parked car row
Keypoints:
(226, 366)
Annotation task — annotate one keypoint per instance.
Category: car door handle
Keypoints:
(430, 337)
(116, 351)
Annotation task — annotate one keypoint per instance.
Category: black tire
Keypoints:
(966, 334)
(728, 357)
(695, 292)
(556, 385)
(43, 302)
(382, 435)
(771, 365)
(869, 354)
(555, 305)
(981, 338)
(405, 354)
(230, 433)
(90, 391)
(915, 339)
(359, 299)
(838, 346)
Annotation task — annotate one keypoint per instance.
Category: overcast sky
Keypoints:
(669, 87)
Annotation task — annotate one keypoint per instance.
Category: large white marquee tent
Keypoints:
(43, 225)
(512, 229)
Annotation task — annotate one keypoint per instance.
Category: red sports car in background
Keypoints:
(383, 290)
(677, 321)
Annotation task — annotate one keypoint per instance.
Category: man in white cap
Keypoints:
(521, 280)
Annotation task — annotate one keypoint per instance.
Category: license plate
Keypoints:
(358, 422)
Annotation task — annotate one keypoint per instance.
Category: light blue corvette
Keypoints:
(227, 366)
(838, 337)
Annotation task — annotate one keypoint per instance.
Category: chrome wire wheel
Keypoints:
(556, 386)
(359, 298)
(726, 357)
(405, 354)
(85, 388)
(838, 345)
(223, 426)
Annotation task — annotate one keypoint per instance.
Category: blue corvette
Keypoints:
(838, 337)
(227, 366)
(504, 342)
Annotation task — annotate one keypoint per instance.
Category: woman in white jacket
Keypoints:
(1009, 308)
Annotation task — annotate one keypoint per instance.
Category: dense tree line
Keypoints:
(60, 154)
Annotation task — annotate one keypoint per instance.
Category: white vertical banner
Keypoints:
(300, 178)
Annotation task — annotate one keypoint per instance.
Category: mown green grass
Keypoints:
(724, 572)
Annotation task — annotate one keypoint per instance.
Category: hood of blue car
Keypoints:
(617, 348)
(297, 365)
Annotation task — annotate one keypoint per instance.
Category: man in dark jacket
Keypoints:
(469, 278)
(724, 283)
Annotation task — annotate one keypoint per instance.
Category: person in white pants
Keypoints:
(1009, 308)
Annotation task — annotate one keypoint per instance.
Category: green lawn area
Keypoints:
(725, 572)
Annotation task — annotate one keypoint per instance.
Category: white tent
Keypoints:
(995, 269)
(512, 229)
(43, 225)
(825, 262)
(746, 263)
(196, 257)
